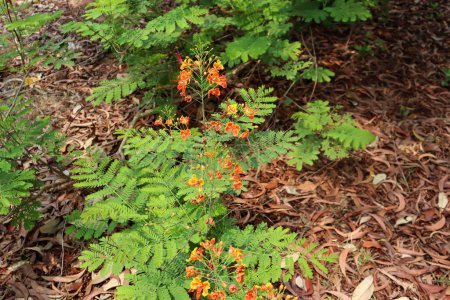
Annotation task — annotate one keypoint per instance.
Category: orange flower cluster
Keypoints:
(200, 288)
(199, 199)
(185, 133)
(232, 128)
(184, 120)
(236, 177)
(169, 122)
(188, 71)
(217, 295)
(252, 294)
(210, 246)
(214, 92)
(215, 77)
(191, 271)
(209, 253)
(183, 81)
(194, 181)
(158, 122)
(196, 254)
(249, 112)
(236, 254)
(232, 109)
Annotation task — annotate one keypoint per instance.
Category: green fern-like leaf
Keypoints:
(114, 89)
(348, 11)
(243, 48)
(351, 136)
(309, 11)
(318, 74)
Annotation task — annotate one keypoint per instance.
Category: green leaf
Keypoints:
(246, 47)
(348, 11)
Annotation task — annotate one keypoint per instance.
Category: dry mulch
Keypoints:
(383, 209)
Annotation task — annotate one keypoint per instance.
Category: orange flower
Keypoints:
(233, 288)
(208, 244)
(200, 287)
(240, 278)
(217, 251)
(186, 64)
(194, 181)
(251, 295)
(219, 175)
(227, 164)
(169, 122)
(237, 170)
(196, 254)
(216, 125)
(222, 81)
(249, 112)
(213, 76)
(236, 253)
(188, 98)
(199, 199)
(185, 76)
(240, 271)
(233, 128)
(218, 65)
(237, 185)
(191, 271)
(185, 133)
(268, 287)
(214, 92)
(182, 88)
(184, 120)
(231, 109)
(210, 221)
(244, 134)
(183, 80)
(158, 122)
(216, 295)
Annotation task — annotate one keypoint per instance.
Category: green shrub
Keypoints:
(152, 209)
(322, 130)
(144, 35)
(21, 138)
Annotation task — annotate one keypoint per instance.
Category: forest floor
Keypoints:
(384, 209)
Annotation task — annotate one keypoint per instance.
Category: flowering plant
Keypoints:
(200, 78)
(168, 197)
(218, 274)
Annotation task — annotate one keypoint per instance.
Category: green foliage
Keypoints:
(322, 130)
(318, 74)
(166, 196)
(337, 10)
(348, 11)
(22, 139)
(260, 31)
(21, 26)
(115, 89)
(275, 249)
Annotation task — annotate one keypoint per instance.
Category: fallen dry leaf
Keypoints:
(379, 178)
(364, 290)
(442, 200)
(436, 226)
(405, 220)
(343, 261)
(307, 186)
(65, 279)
